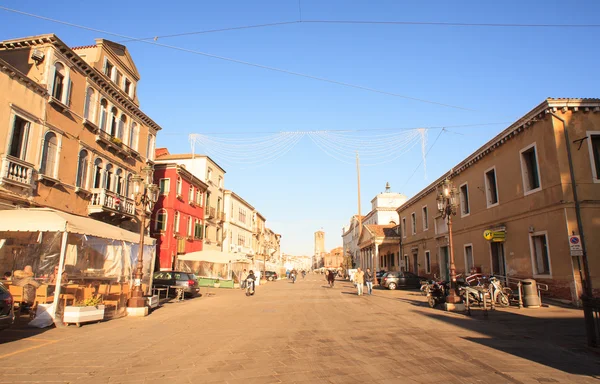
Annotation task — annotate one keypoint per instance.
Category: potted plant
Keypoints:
(116, 140)
(217, 283)
(90, 309)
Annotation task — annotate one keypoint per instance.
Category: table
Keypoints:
(159, 290)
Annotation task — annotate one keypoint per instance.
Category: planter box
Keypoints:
(152, 301)
(80, 315)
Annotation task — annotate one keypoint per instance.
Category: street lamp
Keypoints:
(146, 194)
(447, 202)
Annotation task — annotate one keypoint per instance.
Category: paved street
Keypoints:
(307, 333)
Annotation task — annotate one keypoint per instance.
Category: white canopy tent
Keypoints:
(211, 256)
(51, 220)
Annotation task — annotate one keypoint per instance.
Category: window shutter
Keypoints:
(104, 66)
(68, 94)
(51, 75)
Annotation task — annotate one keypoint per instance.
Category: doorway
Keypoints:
(498, 260)
(444, 264)
(416, 263)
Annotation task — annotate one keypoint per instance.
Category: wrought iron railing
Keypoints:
(103, 199)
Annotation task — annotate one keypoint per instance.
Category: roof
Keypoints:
(21, 77)
(186, 156)
(84, 47)
(90, 72)
(51, 220)
(382, 230)
(525, 122)
(239, 198)
(182, 171)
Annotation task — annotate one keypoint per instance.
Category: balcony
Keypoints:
(221, 216)
(113, 143)
(105, 201)
(210, 213)
(16, 172)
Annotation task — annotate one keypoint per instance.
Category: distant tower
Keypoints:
(319, 249)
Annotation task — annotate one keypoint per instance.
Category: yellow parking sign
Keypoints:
(488, 234)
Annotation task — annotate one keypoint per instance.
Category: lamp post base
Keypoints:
(454, 307)
(137, 311)
(137, 298)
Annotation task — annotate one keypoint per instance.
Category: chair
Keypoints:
(42, 296)
(17, 294)
(112, 296)
(69, 293)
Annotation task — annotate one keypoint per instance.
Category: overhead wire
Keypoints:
(293, 73)
(423, 159)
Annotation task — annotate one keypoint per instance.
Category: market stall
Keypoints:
(72, 258)
(210, 267)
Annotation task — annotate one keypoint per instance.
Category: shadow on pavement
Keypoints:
(529, 338)
(416, 303)
(20, 329)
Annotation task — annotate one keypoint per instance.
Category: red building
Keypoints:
(178, 218)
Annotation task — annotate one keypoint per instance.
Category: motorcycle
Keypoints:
(500, 294)
(249, 287)
(293, 276)
(436, 293)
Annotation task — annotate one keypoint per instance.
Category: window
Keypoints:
(109, 177)
(413, 222)
(97, 173)
(19, 138)
(425, 218)
(89, 108)
(134, 136)
(199, 197)
(119, 184)
(468, 258)
(465, 209)
(427, 262)
(594, 147)
(82, 169)
(118, 78)
(242, 215)
(207, 204)
(209, 174)
(189, 226)
(161, 220)
(191, 194)
(392, 259)
(49, 155)
(530, 170)
(491, 189)
(150, 148)
(129, 186)
(220, 182)
(178, 187)
(113, 121)
(404, 227)
(164, 185)
(121, 128)
(127, 87)
(198, 229)
(540, 254)
(58, 83)
(103, 114)
(108, 68)
(176, 223)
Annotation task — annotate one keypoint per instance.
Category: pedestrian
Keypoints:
(25, 279)
(359, 279)
(331, 278)
(369, 281)
(243, 279)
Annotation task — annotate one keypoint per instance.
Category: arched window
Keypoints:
(58, 82)
(89, 110)
(49, 155)
(176, 223)
(129, 186)
(134, 136)
(98, 173)
(179, 186)
(82, 169)
(103, 114)
(161, 220)
(113, 121)
(119, 182)
(122, 126)
(109, 177)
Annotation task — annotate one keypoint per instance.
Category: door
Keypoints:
(415, 265)
(444, 264)
(498, 261)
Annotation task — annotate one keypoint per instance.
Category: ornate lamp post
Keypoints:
(447, 202)
(146, 194)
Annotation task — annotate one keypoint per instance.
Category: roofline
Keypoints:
(183, 170)
(530, 118)
(89, 71)
(14, 73)
(186, 156)
(239, 198)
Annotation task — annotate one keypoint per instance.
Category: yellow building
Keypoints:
(518, 186)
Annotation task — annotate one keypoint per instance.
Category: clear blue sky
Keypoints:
(501, 73)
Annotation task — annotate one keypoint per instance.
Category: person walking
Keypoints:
(369, 281)
(359, 279)
(243, 278)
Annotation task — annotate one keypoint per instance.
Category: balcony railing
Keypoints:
(212, 212)
(17, 172)
(113, 143)
(104, 200)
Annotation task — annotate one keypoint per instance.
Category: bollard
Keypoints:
(485, 314)
(520, 296)
(468, 306)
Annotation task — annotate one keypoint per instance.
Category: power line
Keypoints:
(455, 24)
(418, 166)
(349, 85)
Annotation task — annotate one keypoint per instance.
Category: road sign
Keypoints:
(575, 243)
(576, 253)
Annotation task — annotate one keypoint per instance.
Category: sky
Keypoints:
(496, 73)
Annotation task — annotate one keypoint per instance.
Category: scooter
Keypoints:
(293, 275)
(249, 287)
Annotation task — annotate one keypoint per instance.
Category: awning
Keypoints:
(211, 256)
(51, 220)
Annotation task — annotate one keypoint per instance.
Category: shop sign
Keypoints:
(494, 236)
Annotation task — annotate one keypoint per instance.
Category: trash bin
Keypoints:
(530, 294)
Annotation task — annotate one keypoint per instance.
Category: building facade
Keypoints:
(379, 247)
(318, 258)
(334, 258)
(76, 146)
(178, 216)
(518, 187)
(209, 172)
(239, 226)
(350, 235)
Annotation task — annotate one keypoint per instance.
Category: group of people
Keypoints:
(361, 278)
(25, 278)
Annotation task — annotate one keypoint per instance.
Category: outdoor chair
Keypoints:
(42, 296)
(17, 294)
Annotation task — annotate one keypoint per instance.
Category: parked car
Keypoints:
(172, 279)
(271, 275)
(378, 275)
(394, 280)
(7, 311)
